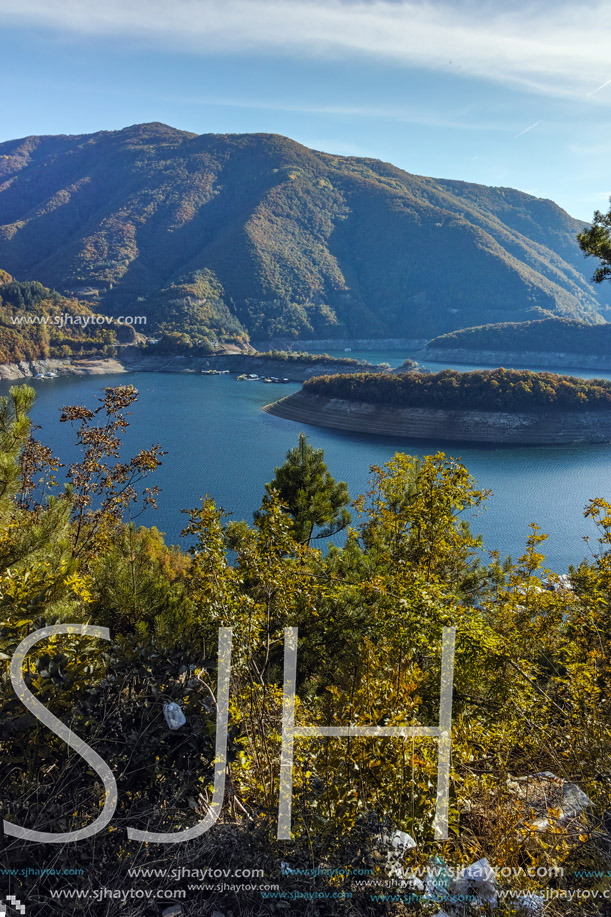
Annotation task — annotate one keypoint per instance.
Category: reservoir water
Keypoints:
(219, 441)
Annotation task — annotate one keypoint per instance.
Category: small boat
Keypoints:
(223, 372)
(39, 376)
(284, 381)
(252, 377)
(268, 380)
(51, 376)
(241, 378)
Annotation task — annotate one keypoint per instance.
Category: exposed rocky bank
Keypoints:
(447, 425)
(321, 344)
(133, 359)
(544, 360)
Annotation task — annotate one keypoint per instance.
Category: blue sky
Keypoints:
(461, 89)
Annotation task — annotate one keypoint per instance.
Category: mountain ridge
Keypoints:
(231, 236)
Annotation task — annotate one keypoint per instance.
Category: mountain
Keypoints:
(253, 235)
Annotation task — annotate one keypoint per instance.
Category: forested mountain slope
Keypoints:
(230, 236)
(36, 323)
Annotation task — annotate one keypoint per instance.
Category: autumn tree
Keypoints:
(102, 488)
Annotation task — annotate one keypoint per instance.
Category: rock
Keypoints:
(545, 360)
(548, 799)
(574, 801)
(561, 583)
(444, 425)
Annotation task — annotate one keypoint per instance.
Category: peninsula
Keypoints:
(492, 406)
(551, 342)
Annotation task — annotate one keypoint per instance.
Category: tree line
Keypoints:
(485, 390)
(547, 335)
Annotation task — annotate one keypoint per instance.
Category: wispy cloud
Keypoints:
(603, 86)
(403, 114)
(548, 48)
(530, 127)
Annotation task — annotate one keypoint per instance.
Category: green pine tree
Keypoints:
(311, 495)
(596, 241)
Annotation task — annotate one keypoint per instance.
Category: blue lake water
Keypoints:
(219, 441)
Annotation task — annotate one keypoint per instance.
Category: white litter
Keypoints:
(174, 911)
(174, 716)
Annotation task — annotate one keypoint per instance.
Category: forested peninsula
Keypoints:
(547, 342)
(493, 406)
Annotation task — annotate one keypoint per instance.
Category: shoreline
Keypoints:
(133, 359)
(28, 369)
(558, 361)
(129, 361)
(469, 427)
(407, 344)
